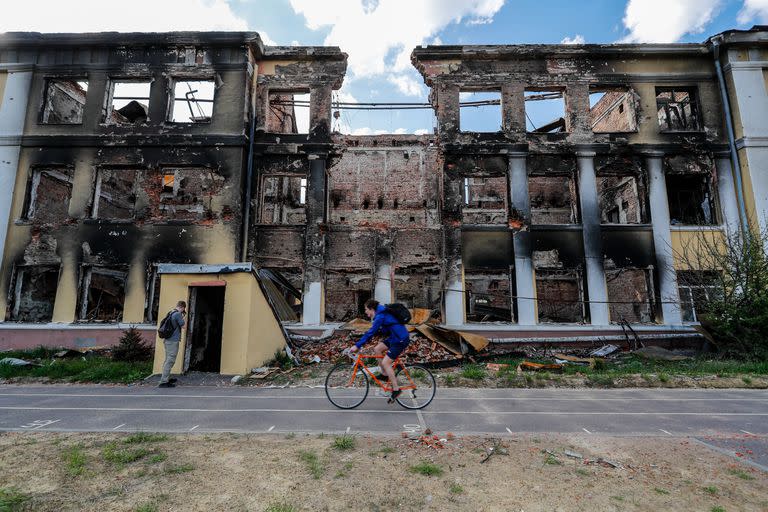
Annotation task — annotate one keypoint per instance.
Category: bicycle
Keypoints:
(346, 387)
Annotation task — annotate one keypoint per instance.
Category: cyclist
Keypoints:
(397, 340)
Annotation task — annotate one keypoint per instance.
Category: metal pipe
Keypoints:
(249, 173)
(735, 165)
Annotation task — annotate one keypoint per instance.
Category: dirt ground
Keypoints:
(285, 472)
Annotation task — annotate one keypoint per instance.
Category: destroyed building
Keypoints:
(122, 152)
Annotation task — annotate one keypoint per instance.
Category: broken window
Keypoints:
(64, 101)
(612, 110)
(545, 110)
(283, 200)
(418, 287)
(33, 293)
(621, 200)
(697, 289)
(631, 296)
(128, 102)
(488, 295)
(485, 200)
(187, 193)
(554, 200)
(48, 194)
(288, 112)
(102, 294)
(114, 194)
(192, 101)
(480, 111)
(691, 200)
(560, 295)
(677, 109)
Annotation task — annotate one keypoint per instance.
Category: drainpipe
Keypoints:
(249, 173)
(735, 165)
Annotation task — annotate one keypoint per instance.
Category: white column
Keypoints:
(525, 284)
(593, 246)
(382, 290)
(312, 305)
(662, 241)
(726, 191)
(13, 108)
(454, 299)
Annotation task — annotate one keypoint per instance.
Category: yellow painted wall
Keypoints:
(3, 79)
(691, 247)
(250, 332)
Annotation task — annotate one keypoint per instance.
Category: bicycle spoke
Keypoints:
(344, 389)
(418, 386)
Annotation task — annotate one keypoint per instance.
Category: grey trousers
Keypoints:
(171, 351)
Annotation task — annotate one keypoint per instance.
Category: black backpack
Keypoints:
(166, 328)
(399, 311)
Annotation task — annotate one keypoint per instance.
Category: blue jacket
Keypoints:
(387, 325)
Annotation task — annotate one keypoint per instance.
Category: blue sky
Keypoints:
(378, 35)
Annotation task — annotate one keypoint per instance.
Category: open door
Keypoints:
(206, 315)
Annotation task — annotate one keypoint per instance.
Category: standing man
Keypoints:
(171, 343)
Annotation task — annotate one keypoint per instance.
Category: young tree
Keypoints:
(132, 347)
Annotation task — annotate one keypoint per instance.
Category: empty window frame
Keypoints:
(560, 295)
(345, 296)
(64, 101)
(192, 101)
(691, 199)
(128, 102)
(283, 200)
(485, 200)
(418, 287)
(114, 194)
(612, 110)
(554, 199)
(48, 194)
(545, 110)
(480, 111)
(187, 193)
(288, 112)
(621, 199)
(152, 296)
(488, 295)
(631, 295)
(33, 293)
(697, 288)
(678, 109)
(102, 294)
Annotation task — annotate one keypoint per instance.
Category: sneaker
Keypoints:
(166, 385)
(393, 396)
(173, 380)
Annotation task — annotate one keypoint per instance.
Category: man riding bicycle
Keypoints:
(397, 340)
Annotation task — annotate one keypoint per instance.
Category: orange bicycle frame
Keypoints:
(359, 365)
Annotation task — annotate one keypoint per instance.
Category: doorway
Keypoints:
(206, 314)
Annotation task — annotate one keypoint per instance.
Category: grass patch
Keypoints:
(473, 372)
(158, 457)
(582, 472)
(617, 498)
(455, 488)
(345, 470)
(345, 442)
(659, 490)
(552, 460)
(313, 463)
(11, 499)
(711, 489)
(601, 380)
(741, 474)
(147, 507)
(450, 380)
(74, 460)
(747, 381)
(387, 449)
(290, 435)
(120, 456)
(718, 508)
(426, 469)
(180, 468)
(280, 507)
(81, 369)
(144, 437)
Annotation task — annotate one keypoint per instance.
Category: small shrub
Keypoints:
(145, 437)
(132, 347)
(11, 499)
(313, 463)
(659, 490)
(181, 468)
(158, 457)
(600, 365)
(456, 488)
(741, 474)
(473, 372)
(450, 380)
(552, 460)
(663, 377)
(345, 442)
(147, 507)
(711, 489)
(747, 381)
(427, 469)
(718, 508)
(281, 360)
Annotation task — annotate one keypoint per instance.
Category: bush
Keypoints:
(132, 347)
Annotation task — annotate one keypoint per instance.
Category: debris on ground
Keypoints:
(565, 359)
(263, 372)
(67, 353)
(15, 361)
(539, 367)
(604, 351)
(573, 455)
(496, 367)
(652, 352)
(498, 448)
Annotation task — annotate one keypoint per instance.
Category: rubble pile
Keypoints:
(420, 350)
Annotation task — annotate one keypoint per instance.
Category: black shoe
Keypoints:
(393, 396)
(173, 380)
(166, 385)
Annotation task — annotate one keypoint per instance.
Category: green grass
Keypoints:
(120, 456)
(345, 442)
(711, 489)
(180, 468)
(717, 509)
(456, 489)
(313, 463)
(145, 437)
(696, 367)
(618, 498)
(80, 369)
(582, 472)
(552, 460)
(426, 469)
(387, 449)
(11, 499)
(74, 460)
(450, 380)
(659, 490)
(280, 507)
(741, 474)
(473, 372)
(747, 381)
(147, 507)
(663, 377)
(158, 457)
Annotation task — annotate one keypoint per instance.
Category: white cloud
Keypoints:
(137, 16)
(666, 21)
(371, 32)
(266, 39)
(422, 131)
(407, 85)
(577, 39)
(753, 9)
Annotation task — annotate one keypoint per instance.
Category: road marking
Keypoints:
(270, 429)
(193, 428)
(662, 430)
(508, 430)
(117, 427)
(39, 424)
(585, 430)
(750, 433)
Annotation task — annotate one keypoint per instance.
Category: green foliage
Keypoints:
(711, 489)
(147, 507)
(473, 372)
(345, 442)
(144, 437)
(86, 369)
(132, 347)
(456, 488)
(11, 499)
(75, 460)
(120, 456)
(313, 463)
(741, 474)
(181, 468)
(427, 469)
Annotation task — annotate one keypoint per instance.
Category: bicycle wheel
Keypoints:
(344, 390)
(421, 383)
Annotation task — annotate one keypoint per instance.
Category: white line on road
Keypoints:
(270, 429)
(585, 430)
(193, 428)
(750, 433)
(41, 424)
(662, 430)
(117, 427)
